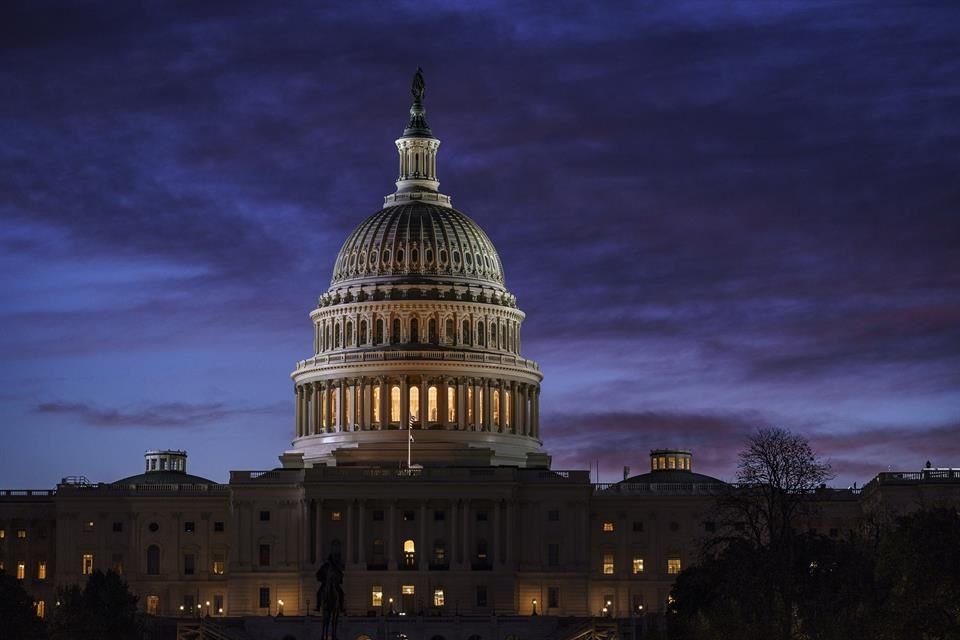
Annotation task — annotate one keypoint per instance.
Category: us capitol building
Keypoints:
(416, 463)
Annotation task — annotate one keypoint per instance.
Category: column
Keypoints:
(342, 405)
(404, 403)
(424, 406)
(442, 409)
(348, 560)
(361, 534)
(461, 403)
(487, 405)
(503, 406)
(365, 399)
(497, 556)
(296, 411)
(535, 410)
(384, 403)
(477, 424)
(423, 556)
(323, 406)
(318, 401)
(392, 536)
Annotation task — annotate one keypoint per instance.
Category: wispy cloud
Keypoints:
(176, 415)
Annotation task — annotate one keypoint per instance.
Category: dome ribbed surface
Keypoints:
(416, 242)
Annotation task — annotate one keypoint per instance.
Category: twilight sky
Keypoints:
(717, 216)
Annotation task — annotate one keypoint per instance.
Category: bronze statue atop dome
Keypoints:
(418, 85)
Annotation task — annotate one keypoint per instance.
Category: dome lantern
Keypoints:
(417, 181)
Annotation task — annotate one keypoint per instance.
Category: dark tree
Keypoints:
(18, 617)
(104, 610)
(918, 575)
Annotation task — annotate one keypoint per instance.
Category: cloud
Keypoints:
(173, 415)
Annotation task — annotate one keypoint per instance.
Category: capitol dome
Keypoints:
(418, 242)
(417, 338)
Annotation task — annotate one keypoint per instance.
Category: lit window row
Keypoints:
(637, 565)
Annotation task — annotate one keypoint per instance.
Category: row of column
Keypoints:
(369, 330)
(462, 404)
(461, 544)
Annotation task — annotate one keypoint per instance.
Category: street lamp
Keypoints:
(207, 603)
(279, 608)
(181, 609)
(534, 602)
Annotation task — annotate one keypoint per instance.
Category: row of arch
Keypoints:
(438, 329)
(483, 404)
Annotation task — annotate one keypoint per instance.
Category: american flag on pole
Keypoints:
(413, 419)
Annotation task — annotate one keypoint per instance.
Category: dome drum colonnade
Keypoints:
(417, 329)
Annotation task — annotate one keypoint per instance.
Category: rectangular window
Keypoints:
(378, 515)
(153, 605)
(553, 597)
(553, 554)
(608, 564)
(22, 570)
(637, 565)
(187, 603)
(3, 534)
(264, 555)
(673, 566)
(218, 526)
(439, 516)
(553, 515)
(189, 527)
(376, 595)
(264, 597)
(335, 516)
(481, 516)
(637, 526)
(264, 516)
(219, 564)
(86, 567)
(117, 527)
(42, 570)
(409, 516)
(21, 534)
(116, 563)
(438, 597)
(41, 609)
(407, 590)
(188, 564)
(481, 595)
(218, 604)
(608, 526)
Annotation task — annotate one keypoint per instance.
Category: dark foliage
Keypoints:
(104, 610)
(18, 617)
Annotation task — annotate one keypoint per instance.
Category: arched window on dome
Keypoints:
(414, 405)
(363, 332)
(432, 331)
(493, 335)
(432, 405)
(414, 330)
(348, 342)
(395, 331)
(466, 332)
(378, 333)
(394, 404)
(336, 336)
(449, 331)
(496, 407)
(375, 401)
(451, 404)
(481, 333)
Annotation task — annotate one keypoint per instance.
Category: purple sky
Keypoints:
(717, 216)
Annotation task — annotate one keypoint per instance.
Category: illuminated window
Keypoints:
(335, 516)
(496, 407)
(507, 399)
(608, 526)
(394, 404)
(87, 564)
(451, 404)
(655, 466)
(608, 564)
(41, 609)
(3, 534)
(663, 462)
(21, 570)
(409, 554)
(407, 590)
(672, 462)
(376, 595)
(42, 570)
(414, 403)
(438, 597)
(153, 605)
(375, 410)
(432, 410)
(2, 566)
(637, 564)
(673, 566)
(219, 563)
(21, 534)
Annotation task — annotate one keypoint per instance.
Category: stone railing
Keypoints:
(27, 493)
(660, 488)
(388, 356)
(148, 488)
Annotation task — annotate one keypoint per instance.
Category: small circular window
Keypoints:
(154, 527)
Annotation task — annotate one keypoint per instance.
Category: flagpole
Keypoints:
(409, 440)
